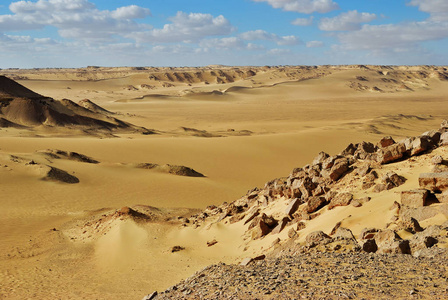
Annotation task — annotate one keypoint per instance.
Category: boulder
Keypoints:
(370, 246)
(410, 224)
(342, 199)
(433, 137)
(419, 145)
(344, 233)
(320, 158)
(414, 198)
(314, 204)
(444, 139)
(363, 170)
(339, 168)
(317, 238)
(407, 142)
(389, 242)
(306, 187)
(391, 153)
(386, 141)
(292, 206)
(365, 150)
(436, 182)
(281, 225)
(350, 150)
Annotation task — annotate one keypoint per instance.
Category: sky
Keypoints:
(80, 33)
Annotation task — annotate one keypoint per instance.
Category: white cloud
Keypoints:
(261, 35)
(395, 37)
(187, 28)
(223, 43)
(314, 44)
(303, 21)
(346, 21)
(78, 19)
(303, 6)
(277, 51)
(438, 9)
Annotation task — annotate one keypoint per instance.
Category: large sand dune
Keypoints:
(239, 126)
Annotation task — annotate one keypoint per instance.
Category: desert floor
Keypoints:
(256, 131)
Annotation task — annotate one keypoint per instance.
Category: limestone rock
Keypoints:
(436, 182)
(338, 169)
(414, 198)
(317, 238)
(292, 207)
(315, 203)
(342, 199)
(419, 145)
(389, 242)
(320, 158)
(444, 139)
(386, 141)
(391, 153)
(365, 150)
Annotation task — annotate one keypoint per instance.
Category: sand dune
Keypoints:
(239, 126)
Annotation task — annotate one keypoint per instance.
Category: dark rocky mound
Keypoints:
(55, 174)
(58, 154)
(11, 89)
(23, 107)
(171, 169)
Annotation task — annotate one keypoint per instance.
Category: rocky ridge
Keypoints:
(284, 208)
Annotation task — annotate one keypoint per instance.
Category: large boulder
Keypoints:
(314, 204)
(339, 168)
(419, 145)
(342, 199)
(436, 182)
(391, 153)
(414, 198)
(365, 150)
(389, 242)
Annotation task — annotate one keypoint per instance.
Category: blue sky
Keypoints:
(78, 33)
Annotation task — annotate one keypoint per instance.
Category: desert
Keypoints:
(122, 182)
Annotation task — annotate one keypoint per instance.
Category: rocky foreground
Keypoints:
(363, 185)
(320, 276)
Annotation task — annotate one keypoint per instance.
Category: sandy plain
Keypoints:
(240, 127)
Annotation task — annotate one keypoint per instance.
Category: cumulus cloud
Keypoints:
(223, 43)
(303, 6)
(78, 19)
(187, 28)
(303, 21)
(438, 9)
(314, 44)
(261, 35)
(395, 37)
(346, 21)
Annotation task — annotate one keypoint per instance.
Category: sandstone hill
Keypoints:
(23, 108)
